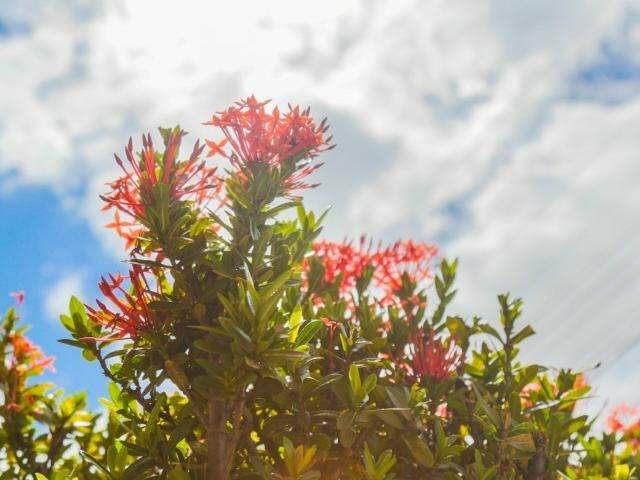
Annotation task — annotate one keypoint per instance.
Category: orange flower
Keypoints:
(342, 259)
(402, 259)
(442, 411)
(256, 135)
(134, 192)
(390, 265)
(27, 358)
(624, 419)
(134, 315)
(435, 358)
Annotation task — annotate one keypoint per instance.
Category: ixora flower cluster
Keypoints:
(241, 346)
(42, 431)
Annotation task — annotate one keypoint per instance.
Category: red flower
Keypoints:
(390, 264)
(434, 358)
(624, 419)
(18, 297)
(332, 326)
(403, 258)
(133, 315)
(135, 191)
(343, 259)
(525, 394)
(24, 360)
(13, 406)
(442, 411)
(27, 358)
(256, 135)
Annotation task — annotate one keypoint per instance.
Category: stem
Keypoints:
(216, 440)
(221, 443)
(146, 404)
(238, 408)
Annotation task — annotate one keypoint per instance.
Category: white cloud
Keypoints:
(558, 226)
(57, 297)
(471, 103)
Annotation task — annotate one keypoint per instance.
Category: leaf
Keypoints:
(280, 357)
(483, 404)
(294, 323)
(576, 394)
(326, 381)
(67, 322)
(73, 343)
(355, 381)
(523, 442)
(441, 438)
(179, 474)
(277, 284)
(137, 468)
(238, 333)
(522, 334)
(370, 383)
(488, 329)
(308, 332)
(388, 416)
(76, 307)
(347, 437)
(88, 355)
(419, 450)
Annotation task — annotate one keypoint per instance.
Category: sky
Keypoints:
(506, 132)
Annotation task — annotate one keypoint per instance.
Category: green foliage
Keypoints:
(44, 431)
(256, 362)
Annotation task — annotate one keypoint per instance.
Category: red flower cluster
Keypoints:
(133, 193)
(525, 394)
(626, 420)
(26, 360)
(389, 264)
(134, 315)
(434, 358)
(256, 135)
(343, 259)
(403, 258)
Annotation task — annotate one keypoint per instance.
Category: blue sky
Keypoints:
(506, 132)
(42, 246)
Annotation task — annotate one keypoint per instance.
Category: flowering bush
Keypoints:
(43, 431)
(241, 346)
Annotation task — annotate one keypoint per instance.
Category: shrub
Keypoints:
(241, 346)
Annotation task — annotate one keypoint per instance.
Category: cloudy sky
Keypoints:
(506, 132)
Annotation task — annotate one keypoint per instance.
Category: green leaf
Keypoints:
(73, 343)
(281, 357)
(522, 334)
(67, 322)
(370, 383)
(88, 355)
(76, 307)
(277, 284)
(137, 468)
(419, 450)
(523, 442)
(294, 323)
(493, 416)
(354, 380)
(178, 474)
(308, 331)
